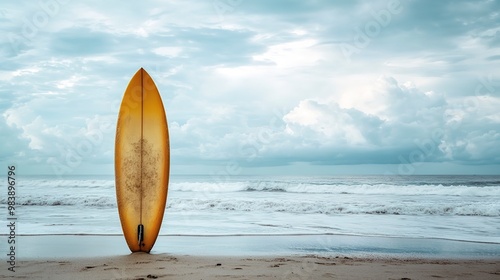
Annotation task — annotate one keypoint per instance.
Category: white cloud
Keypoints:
(168, 51)
(326, 123)
(224, 74)
(69, 83)
(26, 71)
(291, 54)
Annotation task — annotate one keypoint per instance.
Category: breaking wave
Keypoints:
(287, 196)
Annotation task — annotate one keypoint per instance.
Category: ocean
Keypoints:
(458, 208)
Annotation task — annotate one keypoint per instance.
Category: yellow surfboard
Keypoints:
(142, 162)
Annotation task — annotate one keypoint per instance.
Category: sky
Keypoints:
(256, 87)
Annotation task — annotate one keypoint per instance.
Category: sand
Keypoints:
(165, 266)
(250, 257)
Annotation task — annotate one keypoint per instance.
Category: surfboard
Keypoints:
(142, 162)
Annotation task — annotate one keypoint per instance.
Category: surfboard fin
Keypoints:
(140, 234)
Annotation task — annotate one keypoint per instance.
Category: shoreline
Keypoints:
(250, 257)
(52, 246)
(264, 235)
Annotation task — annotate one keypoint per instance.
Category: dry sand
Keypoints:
(165, 266)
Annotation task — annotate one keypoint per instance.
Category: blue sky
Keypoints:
(257, 87)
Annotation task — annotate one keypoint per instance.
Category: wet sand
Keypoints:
(240, 257)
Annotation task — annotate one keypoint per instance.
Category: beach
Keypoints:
(166, 266)
(254, 227)
(246, 257)
(233, 139)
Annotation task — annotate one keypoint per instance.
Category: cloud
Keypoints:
(60, 144)
(168, 51)
(262, 84)
(290, 54)
(399, 122)
(13, 146)
(81, 42)
(474, 127)
(328, 124)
